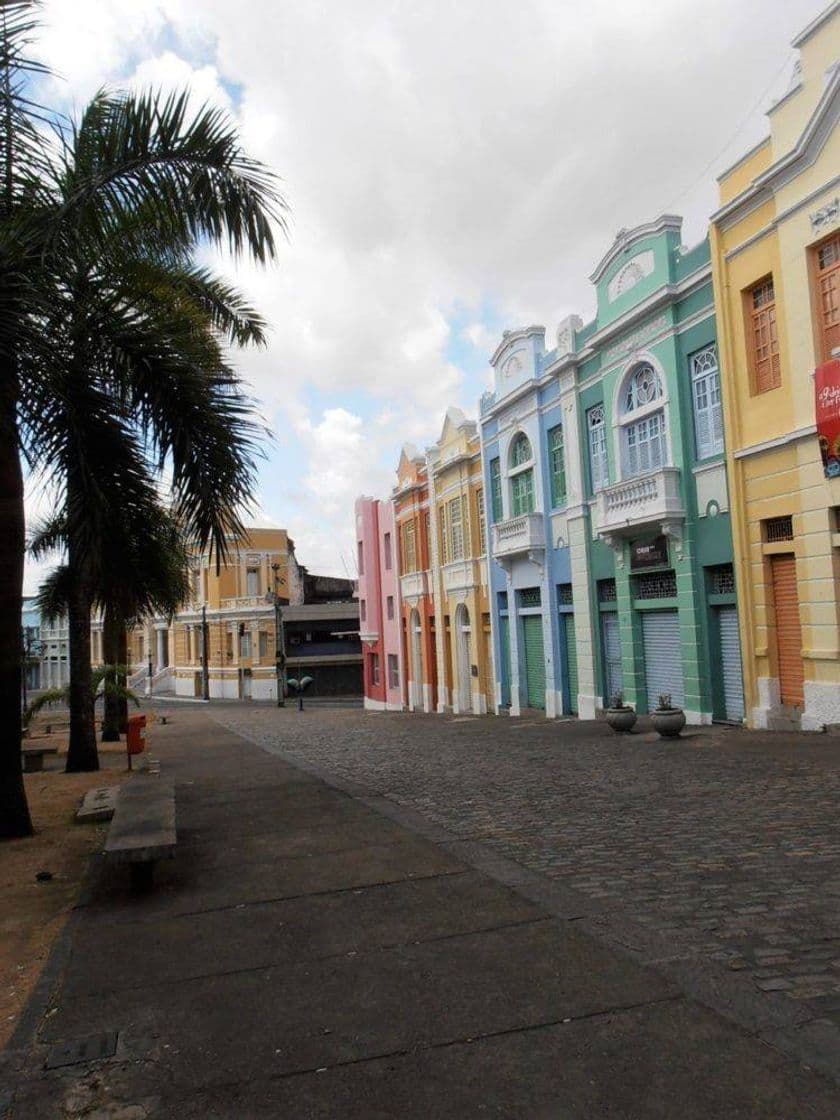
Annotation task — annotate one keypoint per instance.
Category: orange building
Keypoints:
(411, 505)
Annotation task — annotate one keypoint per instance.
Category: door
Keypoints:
(611, 637)
(532, 645)
(246, 684)
(730, 663)
(663, 657)
(504, 642)
(828, 282)
(462, 637)
(571, 661)
(788, 629)
(197, 685)
(416, 685)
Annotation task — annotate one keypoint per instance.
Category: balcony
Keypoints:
(461, 575)
(413, 586)
(244, 602)
(638, 503)
(523, 534)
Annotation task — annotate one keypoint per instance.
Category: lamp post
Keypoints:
(279, 639)
(205, 672)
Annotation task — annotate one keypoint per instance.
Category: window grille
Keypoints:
(708, 411)
(645, 387)
(722, 580)
(530, 597)
(778, 529)
(656, 585)
(606, 591)
(520, 452)
(598, 461)
(564, 594)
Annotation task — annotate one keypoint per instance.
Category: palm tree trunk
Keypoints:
(14, 811)
(111, 629)
(81, 753)
(123, 679)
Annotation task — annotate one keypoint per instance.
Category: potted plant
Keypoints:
(620, 716)
(666, 719)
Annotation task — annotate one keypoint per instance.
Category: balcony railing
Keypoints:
(240, 602)
(518, 534)
(414, 584)
(636, 502)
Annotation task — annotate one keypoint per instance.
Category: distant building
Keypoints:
(234, 607)
(46, 649)
(411, 505)
(380, 618)
(30, 634)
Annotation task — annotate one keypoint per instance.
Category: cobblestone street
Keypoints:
(726, 844)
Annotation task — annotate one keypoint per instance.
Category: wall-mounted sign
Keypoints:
(649, 553)
(827, 393)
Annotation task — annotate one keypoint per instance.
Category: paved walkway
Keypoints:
(315, 952)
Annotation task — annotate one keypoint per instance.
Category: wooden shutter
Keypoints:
(828, 294)
(765, 341)
(788, 629)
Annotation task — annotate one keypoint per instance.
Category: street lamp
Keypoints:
(279, 638)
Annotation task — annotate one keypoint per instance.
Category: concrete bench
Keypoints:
(142, 830)
(33, 758)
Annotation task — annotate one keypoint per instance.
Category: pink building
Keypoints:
(379, 604)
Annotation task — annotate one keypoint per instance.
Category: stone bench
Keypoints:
(33, 758)
(142, 830)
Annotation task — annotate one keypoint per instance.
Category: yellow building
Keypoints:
(776, 256)
(459, 568)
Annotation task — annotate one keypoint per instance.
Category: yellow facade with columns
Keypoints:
(776, 258)
(459, 568)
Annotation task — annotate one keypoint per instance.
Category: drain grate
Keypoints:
(92, 1049)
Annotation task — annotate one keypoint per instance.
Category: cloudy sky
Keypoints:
(453, 169)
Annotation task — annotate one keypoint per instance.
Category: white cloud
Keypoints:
(437, 156)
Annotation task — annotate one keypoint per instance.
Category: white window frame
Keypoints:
(455, 519)
(641, 450)
(645, 446)
(708, 417)
(599, 461)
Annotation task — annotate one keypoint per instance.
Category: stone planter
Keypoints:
(621, 719)
(669, 722)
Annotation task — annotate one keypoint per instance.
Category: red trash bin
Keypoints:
(135, 740)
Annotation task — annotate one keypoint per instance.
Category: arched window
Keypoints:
(643, 437)
(520, 451)
(644, 387)
(521, 476)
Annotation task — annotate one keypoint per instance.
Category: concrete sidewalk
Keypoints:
(308, 957)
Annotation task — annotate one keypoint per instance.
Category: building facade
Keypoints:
(380, 612)
(31, 646)
(419, 638)
(604, 462)
(776, 250)
(530, 569)
(458, 569)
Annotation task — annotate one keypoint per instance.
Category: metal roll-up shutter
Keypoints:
(532, 642)
(730, 663)
(613, 676)
(504, 642)
(571, 661)
(663, 657)
(788, 629)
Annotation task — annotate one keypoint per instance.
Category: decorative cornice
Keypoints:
(625, 238)
(772, 444)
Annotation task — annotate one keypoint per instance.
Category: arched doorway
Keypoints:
(462, 643)
(416, 686)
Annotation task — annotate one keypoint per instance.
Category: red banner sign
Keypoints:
(827, 390)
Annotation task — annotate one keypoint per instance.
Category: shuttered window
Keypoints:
(708, 413)
(644, 445)
(482, 528)
(408, 547)
(496, 490)
(764, 338)
(598, 463)
(522, 493)
(828, 294)
(455, 516)
(557, 466)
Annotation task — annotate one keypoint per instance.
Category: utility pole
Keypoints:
(205, 672)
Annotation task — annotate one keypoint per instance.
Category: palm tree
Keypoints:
(137, 172)
(141, 570)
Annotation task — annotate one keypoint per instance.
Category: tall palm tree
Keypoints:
(138, 170)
